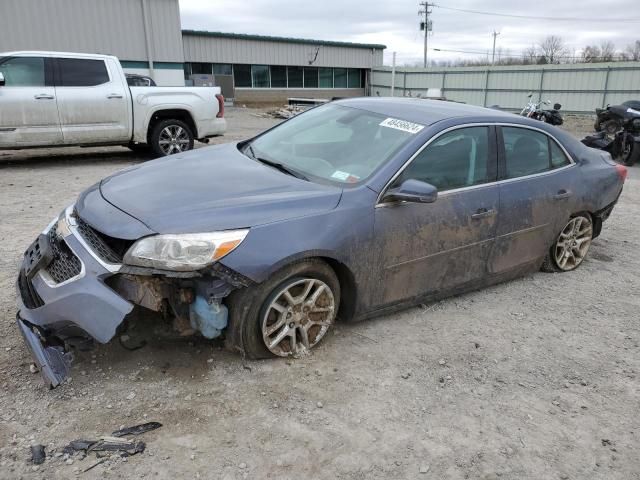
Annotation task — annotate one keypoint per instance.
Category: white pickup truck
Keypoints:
(52, 99)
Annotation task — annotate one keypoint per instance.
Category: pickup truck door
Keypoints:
(93, 101)
(28, 112)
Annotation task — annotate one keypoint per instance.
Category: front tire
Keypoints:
(288, 314)
(171, 136)
(571, 246)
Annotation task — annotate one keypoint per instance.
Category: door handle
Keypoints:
(44, 96)
(114, 95)
(562, 194)
(483, 213)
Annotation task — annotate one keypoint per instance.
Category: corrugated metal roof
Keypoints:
(244, 36)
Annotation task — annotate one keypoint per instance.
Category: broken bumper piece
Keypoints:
(53, 361)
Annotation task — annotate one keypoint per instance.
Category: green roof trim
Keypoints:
(244, 36)
(156, 65)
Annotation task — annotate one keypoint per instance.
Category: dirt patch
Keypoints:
(536, 378)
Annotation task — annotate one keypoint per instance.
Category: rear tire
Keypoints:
(258, 310)
(171, 136)
(630, 157)
(571, 246)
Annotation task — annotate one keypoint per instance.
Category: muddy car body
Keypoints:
(302, 227)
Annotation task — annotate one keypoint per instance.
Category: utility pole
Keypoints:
(393, 75)
(493, 55)
(426, 26)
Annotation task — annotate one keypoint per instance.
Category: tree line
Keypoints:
(551, 50)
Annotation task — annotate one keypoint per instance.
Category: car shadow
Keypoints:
(48, 159)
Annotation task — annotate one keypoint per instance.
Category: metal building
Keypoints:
(144, 34)
(256, 68)
(147, 38)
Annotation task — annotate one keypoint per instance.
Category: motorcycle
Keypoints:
(605, 121)
(551, 116)
(619, 133)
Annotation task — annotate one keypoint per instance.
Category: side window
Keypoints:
(23, 71)
(528, 152)
(558, 157)
(459, 158)
(80, 72)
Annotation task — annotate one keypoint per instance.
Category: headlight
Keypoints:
(187, 252)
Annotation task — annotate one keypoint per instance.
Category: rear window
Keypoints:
(81, 72)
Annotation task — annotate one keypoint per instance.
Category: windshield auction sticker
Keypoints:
(401, 125)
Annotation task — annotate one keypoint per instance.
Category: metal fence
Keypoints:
(580, 88)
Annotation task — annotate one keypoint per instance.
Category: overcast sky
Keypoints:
(394, 23)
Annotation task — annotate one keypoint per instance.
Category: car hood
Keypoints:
(213, 188)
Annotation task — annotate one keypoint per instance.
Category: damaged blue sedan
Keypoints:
(351, 209)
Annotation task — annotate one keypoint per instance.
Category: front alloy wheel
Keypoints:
(571, 246)
(298, 316)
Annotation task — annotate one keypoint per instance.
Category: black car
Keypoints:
(609, 123)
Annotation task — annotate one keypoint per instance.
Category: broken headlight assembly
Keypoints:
(183, 252)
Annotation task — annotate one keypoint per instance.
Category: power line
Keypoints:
(534, 17)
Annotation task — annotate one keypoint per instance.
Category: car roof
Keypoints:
(424, 111)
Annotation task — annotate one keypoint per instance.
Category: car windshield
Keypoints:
(333, 142)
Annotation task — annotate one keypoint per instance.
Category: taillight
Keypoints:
(220, 106)
(622, 172)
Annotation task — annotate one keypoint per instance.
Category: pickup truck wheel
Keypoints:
(171, 136)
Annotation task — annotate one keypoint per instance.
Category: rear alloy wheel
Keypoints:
(171, 136)
(298, 315)
(571, 246)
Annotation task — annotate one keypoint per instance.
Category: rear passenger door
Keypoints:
(28, 112)
(536, 196)
(92, 101)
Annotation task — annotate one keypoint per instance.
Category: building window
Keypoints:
(242, 75)
(353, 78)
(340, 78)
(326, 78)
(278, 77)
(310, 77)
(222, 69)
(201, 69)
(295, 77)
(260, 76)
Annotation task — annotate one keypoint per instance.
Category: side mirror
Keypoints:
(1, 79)
(413, 191)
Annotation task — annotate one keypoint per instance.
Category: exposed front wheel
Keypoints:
(171, 136)
(630, 153)
(571, 246)
(288, 314)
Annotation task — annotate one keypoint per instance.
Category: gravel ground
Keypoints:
(536, 378)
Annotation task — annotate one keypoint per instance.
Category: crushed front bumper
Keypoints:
(64, 295)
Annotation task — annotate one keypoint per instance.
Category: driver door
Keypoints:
(28, 109)
(429, 248)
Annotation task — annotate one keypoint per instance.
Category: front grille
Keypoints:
(30, 297)
(65, 264)
(99, 243)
